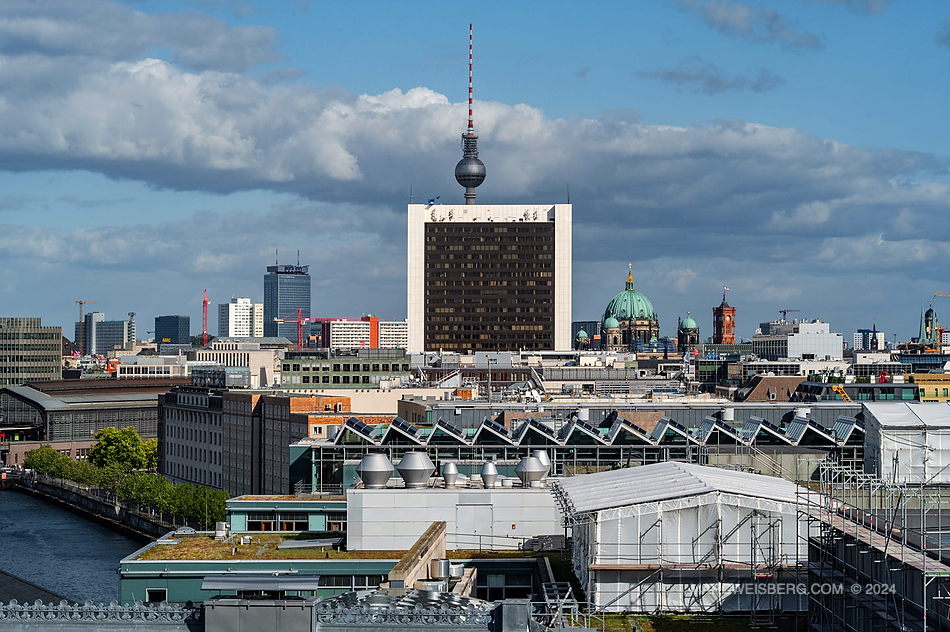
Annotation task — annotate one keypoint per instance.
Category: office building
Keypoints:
(369, 332)
(807, 341)
(100, 336)
(85, 332)
(286, 297)
(29, 352)
(240, 318)
(173, 330)
(484, 278)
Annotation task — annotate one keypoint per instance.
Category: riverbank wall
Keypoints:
(98, 505)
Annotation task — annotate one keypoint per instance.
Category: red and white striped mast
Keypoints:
(470, 171)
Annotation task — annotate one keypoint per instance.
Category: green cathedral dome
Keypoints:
(629, 305)
(582, 335)
(688, 322)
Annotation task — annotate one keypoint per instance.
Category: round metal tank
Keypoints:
(439, 569)
(374, 470)
(583, 414)
(530, 470)
(727, 414)
(489, 474)
(450, 474)
(542, 456)
(220, 530)
(415, 469)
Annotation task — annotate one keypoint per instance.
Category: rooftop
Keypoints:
(663, 481)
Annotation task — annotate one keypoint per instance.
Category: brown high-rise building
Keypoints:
(488, 278)
(724, 323)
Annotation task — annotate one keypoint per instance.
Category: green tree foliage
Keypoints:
(123, 448)
(201, 506)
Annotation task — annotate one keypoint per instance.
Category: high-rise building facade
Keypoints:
(29, 352)
(369, 332)
(172, 330)
(240, 318)
(100, 336)
(286, 297)
(487, 278)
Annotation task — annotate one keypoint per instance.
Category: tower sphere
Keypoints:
(470, 172)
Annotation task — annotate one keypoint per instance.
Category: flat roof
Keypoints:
(663, 481)
(910, 414)
(262, 546)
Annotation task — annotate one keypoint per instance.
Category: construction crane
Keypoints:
(82, 325)
(837, 388)
(785, 312)
(204, 321)
(300, 321)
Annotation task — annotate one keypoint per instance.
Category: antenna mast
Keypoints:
(470, 171)
(471, 124)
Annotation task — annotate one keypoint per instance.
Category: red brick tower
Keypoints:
(724, 323)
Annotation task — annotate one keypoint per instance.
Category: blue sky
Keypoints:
(794, 150)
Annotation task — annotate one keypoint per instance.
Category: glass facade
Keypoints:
(175, 330)
(489, 286)
(286, 290)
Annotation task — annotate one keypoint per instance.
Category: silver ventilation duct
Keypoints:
(374, 470)
(450, 474)
(530, 470)
(415, 469)
(489, 474)
(542, 456)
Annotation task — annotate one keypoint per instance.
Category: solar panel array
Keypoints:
(845, 428)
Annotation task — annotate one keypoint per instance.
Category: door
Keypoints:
(473, 526)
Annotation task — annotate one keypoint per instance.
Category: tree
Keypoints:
(123, 448)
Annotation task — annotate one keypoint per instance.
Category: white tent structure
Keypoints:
(680, 537)
(908, 442)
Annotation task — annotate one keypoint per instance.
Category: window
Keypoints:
(944, 392)
(156, 595)
(346, 368)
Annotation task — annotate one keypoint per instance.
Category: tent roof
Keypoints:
(910, 415)
(662, 481)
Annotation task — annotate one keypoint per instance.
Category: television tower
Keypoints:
(470, 171)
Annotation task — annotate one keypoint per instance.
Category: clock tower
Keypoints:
(724, 323)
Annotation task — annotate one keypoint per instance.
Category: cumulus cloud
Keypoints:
(859, 6)
(943, 33)
(756, 24)
(709, 79)
(102, 30)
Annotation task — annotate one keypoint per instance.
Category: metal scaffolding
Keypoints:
(881, 549)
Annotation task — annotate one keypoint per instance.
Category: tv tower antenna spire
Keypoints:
(470, 171)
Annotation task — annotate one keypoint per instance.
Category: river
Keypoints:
(60, 551)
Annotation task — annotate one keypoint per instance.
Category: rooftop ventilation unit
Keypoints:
(374, 470)
(415, 469)
(530, 470)
(489, 474)
(450, 474)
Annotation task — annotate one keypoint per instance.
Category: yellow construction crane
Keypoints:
(82, 325)
(837, 388)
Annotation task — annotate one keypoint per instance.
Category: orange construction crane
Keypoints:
(300, 322)
(204, 321)
(82, 325)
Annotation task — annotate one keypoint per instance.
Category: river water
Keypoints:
(60, 551)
